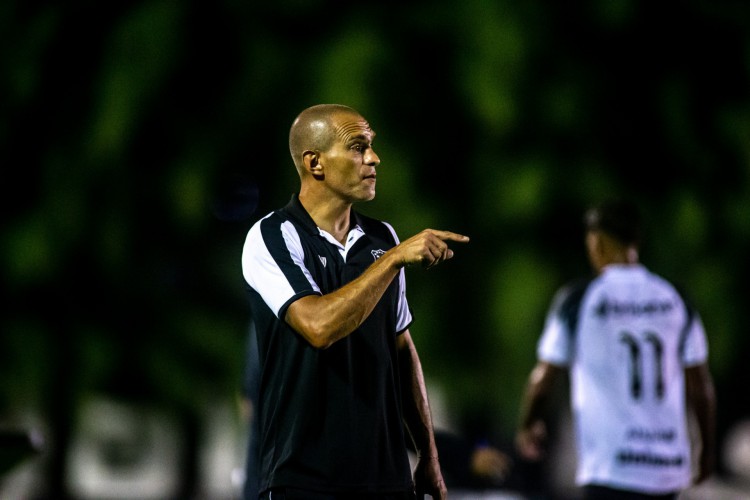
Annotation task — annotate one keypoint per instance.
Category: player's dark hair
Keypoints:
(619, 218)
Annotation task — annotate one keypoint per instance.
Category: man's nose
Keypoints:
(372, 158)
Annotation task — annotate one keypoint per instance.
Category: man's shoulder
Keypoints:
(275, 217)
(375, 227)
(366, 220)
(281, 215)
(570, 295)
(574, 289)
(658, 281)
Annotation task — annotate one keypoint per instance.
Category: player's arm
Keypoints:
(428, 477)
(324, 319)
(701, 399)
(532, 432)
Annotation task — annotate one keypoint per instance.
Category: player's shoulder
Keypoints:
(574, 288)
(367, 221)
(656, 277)
(570, 294)
(568, 300)
(375, 227)
(676, 287)
(680, 290)
(267, 220)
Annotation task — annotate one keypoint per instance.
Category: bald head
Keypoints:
(314, 129)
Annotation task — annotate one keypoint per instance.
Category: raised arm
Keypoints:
(324, 319)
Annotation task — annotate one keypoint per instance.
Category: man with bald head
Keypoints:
(341, 384)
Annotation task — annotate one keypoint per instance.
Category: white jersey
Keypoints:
(627, 336)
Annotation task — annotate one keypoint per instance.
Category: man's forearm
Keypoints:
(323, 320)
(538, 388)
(417, 415)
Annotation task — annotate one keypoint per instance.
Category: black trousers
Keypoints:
(297, 494)
(596, 492)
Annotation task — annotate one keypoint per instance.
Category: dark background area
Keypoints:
(140, 140)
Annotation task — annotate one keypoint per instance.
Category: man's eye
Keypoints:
(358, 148)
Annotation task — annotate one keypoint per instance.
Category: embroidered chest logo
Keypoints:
(376, 254)
(322, 260)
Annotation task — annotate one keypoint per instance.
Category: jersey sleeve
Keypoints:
(555, 344)
(404, 315)
(695, 349)
(273, 264)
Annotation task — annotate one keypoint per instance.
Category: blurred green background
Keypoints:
(134, 135)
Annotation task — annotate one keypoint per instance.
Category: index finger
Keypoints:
(449, 235)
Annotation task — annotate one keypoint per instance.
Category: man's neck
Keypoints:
(330, 215)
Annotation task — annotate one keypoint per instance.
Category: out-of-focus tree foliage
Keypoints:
(138, 137)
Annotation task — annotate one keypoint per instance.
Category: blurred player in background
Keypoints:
(638, 360)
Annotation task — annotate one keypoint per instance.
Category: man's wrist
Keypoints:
(391, 258)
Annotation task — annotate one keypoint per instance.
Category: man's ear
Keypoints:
(311, 159)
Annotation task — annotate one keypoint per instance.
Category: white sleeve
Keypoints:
(404, 313)
(695, 351)
(555, 345)
(262, 263)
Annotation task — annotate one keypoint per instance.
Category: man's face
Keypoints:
(349, 166)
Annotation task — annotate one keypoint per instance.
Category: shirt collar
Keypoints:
(297, 210)
(620, 269)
